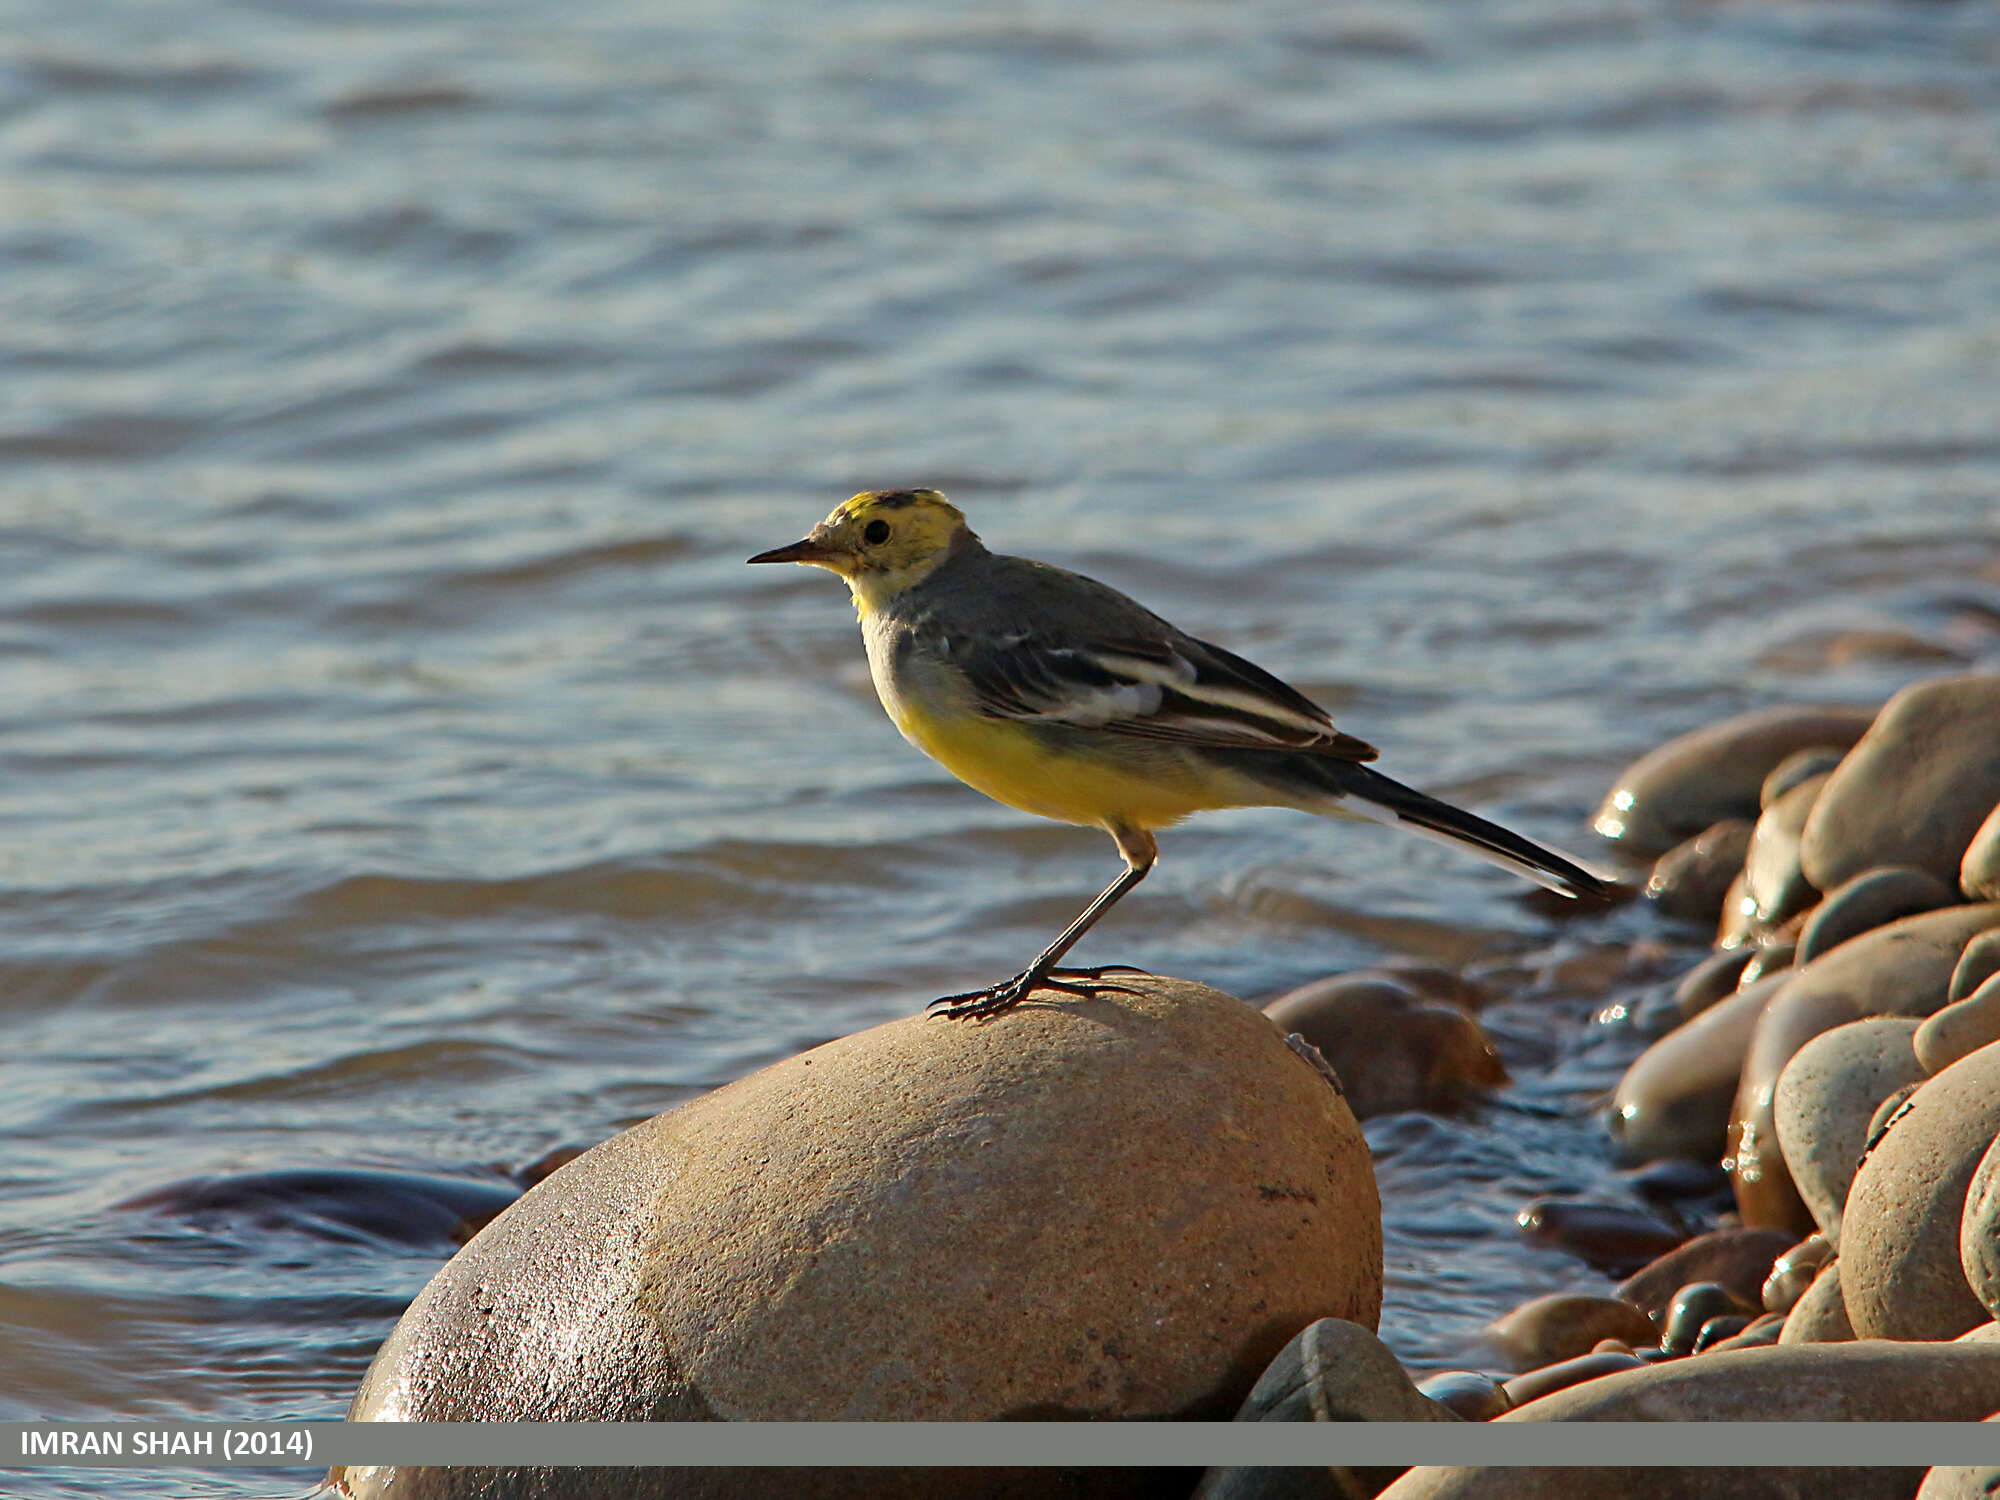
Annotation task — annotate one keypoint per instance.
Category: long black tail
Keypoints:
(1347, 788)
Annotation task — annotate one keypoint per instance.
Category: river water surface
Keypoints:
(402, 771)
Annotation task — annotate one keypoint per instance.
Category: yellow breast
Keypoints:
(1128, 782)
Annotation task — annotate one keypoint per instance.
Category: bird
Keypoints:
(1058, 695)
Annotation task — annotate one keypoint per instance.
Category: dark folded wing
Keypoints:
(1183, 690)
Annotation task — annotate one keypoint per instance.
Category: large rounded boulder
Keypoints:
(1116, 1208)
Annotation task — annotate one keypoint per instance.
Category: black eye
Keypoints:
(876, 533)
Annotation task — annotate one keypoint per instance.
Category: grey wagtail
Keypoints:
(1055, 694)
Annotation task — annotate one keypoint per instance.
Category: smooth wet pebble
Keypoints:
(1886, 1111)
(1960, 1029)
(1692, 1307)
(1716, 977)
(1793, 1272)
(1608, 1236)
(1446, 986)
(1820, 1314)
(1337, 1371)
(1716, 1330)
(1475, 1397)
(1979, 1232)
(1757, 1333)
(1676, 1097)
(1769, 957)
(1826, 1096)
(1674, 1180)
(1715, 772)
(1979, 870)
(1915, 789)
(1736, 1258)
(1870, 900)
(1902, 1275)
(1549, 1379)
(1977, 962)
(1800, 765)
(1690, 880)
(1563, 1325)
(1772, 877)
(547, 1164)
(1738, 923)
(1391, 1047)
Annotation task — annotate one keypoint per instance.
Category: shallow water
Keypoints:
(403, 771)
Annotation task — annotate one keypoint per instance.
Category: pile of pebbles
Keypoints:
(1837, 1053)
(893, 1209)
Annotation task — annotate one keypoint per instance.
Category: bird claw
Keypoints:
(1085, 984)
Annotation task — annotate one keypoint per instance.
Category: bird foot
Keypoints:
(977, 1005)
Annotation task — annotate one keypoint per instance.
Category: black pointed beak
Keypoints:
(806, 550)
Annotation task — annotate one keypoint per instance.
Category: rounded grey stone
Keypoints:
(1771, 957)
(1475, 1397)
(1562, 1325)
(1337, 1371)
(1738, 923)
(1801, 765)
(1690, 880)
(1334, 1371)
(1793, 1272)
(1772, 876)
(1960, 1029)
(1676, 1097)
(1979, 870)
(1713, 773)
(1820, 1316)
(1979, 961)
(1826, 1096)
(1979, 1232)
(1739, 1259)
(1953, 1482)
(1915, 789)
(1817, 1382)
(1391, 1047)
(1714, 978)
(1692, 1308)
(1870, 900)
(1902, 1275)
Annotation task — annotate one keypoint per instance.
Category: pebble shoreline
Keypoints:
(1838, 1053)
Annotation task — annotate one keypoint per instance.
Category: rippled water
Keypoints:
(403, 771)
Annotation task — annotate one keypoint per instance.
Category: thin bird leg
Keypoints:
(1140, 851)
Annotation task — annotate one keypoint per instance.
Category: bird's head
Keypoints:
(881, 541)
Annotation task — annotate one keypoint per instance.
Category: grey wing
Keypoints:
(1161, 688)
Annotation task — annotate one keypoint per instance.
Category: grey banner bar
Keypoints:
(317, 1445)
